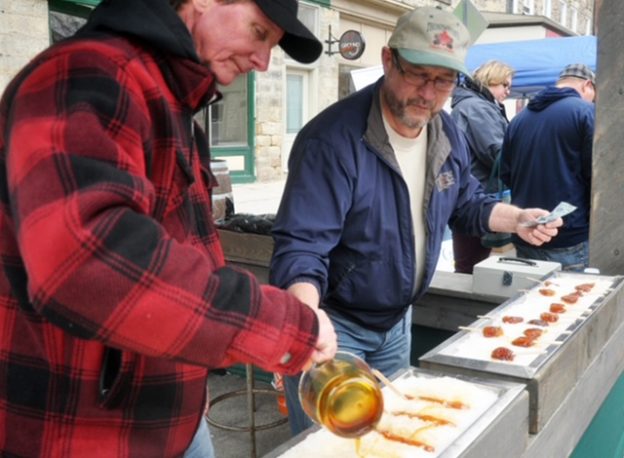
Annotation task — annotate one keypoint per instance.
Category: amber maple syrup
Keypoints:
(350, 406)
(342, 395)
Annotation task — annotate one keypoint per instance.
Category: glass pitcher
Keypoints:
(342, 395)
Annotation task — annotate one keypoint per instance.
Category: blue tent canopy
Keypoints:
(537, 63)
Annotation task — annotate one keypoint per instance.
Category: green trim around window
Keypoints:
(80, 8)
(326, 3)
(248, 174)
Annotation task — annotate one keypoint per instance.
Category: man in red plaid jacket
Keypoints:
(114, 297)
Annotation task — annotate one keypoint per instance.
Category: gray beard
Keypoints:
(397, 108)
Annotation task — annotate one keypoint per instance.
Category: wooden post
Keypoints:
(606, 237)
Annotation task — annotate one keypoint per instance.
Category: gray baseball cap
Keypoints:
(430, 36)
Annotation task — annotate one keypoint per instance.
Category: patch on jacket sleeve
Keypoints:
(444, 181)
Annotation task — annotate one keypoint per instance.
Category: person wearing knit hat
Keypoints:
(373, 182)
(115, 299)
(580, 71)
(547, 159)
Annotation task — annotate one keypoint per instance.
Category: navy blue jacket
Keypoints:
(484, 121)
(547, 158)
(344, 223)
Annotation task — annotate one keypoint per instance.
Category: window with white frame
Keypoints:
(574, 19)
(547, 8)
(524, 6)
(226, 124)
(309, 15)
(296, 99)
(563, 12)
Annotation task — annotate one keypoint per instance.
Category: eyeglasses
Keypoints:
(421, 79)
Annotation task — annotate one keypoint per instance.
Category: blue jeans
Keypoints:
(201, 446)
(574, 258)
(387, 352)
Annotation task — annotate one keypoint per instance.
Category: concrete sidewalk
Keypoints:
(264, 198)
(258, 198)
(233, 411)
(255, 199)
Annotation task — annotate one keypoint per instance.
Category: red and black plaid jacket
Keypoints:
(114, 297)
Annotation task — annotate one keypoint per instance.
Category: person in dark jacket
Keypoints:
(373, 181)
(477, 108)
(115, 300)
(547, 159)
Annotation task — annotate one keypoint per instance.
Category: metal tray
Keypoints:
(530, 362)
(549, 376)
(506, 417)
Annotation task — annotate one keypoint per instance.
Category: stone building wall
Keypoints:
(495, 6)
(24, 32)
(268, 119)
(584, 8)
(270, 85)
(270, 88)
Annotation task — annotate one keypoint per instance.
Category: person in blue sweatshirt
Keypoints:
(547, 159)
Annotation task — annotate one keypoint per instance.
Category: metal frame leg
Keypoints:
(250, 392)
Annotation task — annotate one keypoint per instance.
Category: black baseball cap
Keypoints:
(298, 42)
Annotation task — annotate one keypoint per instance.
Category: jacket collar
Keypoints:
(153, 22)
(193, 83)
(438, 144)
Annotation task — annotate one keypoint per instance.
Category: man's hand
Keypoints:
(326, 344)
(509, 218)
(539, 234)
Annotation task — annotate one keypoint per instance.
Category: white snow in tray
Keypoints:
(529, 306)
(411, 420)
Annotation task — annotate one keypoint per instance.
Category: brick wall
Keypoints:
(24, 32)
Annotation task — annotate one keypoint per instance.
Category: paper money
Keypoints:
(560, 210)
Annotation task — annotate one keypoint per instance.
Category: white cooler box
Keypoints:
(503, 276)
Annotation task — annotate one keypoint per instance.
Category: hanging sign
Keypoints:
(351, 45)
(474, 21)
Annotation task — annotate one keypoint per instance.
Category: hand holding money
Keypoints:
(560, 211)
(533, 225)
(536, 226)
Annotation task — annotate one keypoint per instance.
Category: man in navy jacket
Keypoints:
(547, 159)
(373, 181)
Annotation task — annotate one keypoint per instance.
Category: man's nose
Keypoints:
(260, 58)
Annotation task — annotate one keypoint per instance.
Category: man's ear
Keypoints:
(386, 58)
(203, 5)
(589, 90)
